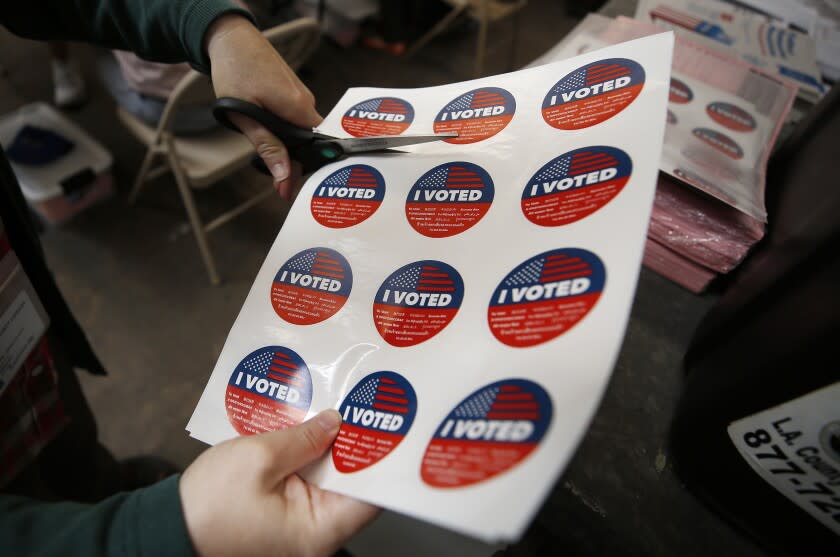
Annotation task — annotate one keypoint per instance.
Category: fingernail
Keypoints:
(329, 420)
(280, 172)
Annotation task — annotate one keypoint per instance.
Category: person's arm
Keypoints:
(146, 521)
(159, 30)
(214, 36)
(242, 497)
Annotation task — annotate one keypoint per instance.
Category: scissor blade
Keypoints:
(383, 142)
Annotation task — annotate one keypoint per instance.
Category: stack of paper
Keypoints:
(753, 38)
(818, 18)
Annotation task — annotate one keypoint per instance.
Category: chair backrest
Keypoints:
(294, 40)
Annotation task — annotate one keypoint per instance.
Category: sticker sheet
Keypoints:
(461, 303)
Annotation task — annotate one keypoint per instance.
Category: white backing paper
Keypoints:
(570, 369)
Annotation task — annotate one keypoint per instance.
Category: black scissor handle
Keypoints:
(304, 146)
(292, 137)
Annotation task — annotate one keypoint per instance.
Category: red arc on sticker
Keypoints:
(417, 301)
(545, 296)
(593, 93)
(311, 286)
(476, 115)
(376, 416)
(270, 389)
(487, 433)
(379, 116)
(449, 199)
(348, 196)
(575, 185)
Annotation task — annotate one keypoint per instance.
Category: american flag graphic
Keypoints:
(423, 278)
(386, 104)
(275, 365)
(458, 175)
(590, 75)
(382, 393)
(500, 402)
(579, 162)
(549, 268)
(480, 98)
(317, 263)
(352, 177)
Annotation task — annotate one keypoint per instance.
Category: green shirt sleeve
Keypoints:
(147, 522)
(158, 30)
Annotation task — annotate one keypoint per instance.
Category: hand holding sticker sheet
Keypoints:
(461, 304)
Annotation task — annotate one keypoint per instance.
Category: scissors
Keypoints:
(312, 149)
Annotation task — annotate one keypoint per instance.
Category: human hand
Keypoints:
(244, 65)
(243, 498)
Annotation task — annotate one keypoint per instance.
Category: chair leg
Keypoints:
(151, 153)
(436, 30)
(481, 47)
(192, 213)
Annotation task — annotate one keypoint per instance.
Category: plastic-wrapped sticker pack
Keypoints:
(462, 303)
(723, 115)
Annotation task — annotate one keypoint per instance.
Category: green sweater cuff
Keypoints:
(199, 16)
(158, 519)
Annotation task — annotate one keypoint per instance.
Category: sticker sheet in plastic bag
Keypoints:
(461, 304)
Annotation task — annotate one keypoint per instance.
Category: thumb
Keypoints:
(298, 446)
(270, 149)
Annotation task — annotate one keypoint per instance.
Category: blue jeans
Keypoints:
(190, 119)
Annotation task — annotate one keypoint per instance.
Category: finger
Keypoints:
(269, 148)
(288, 188)
(294, 448)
